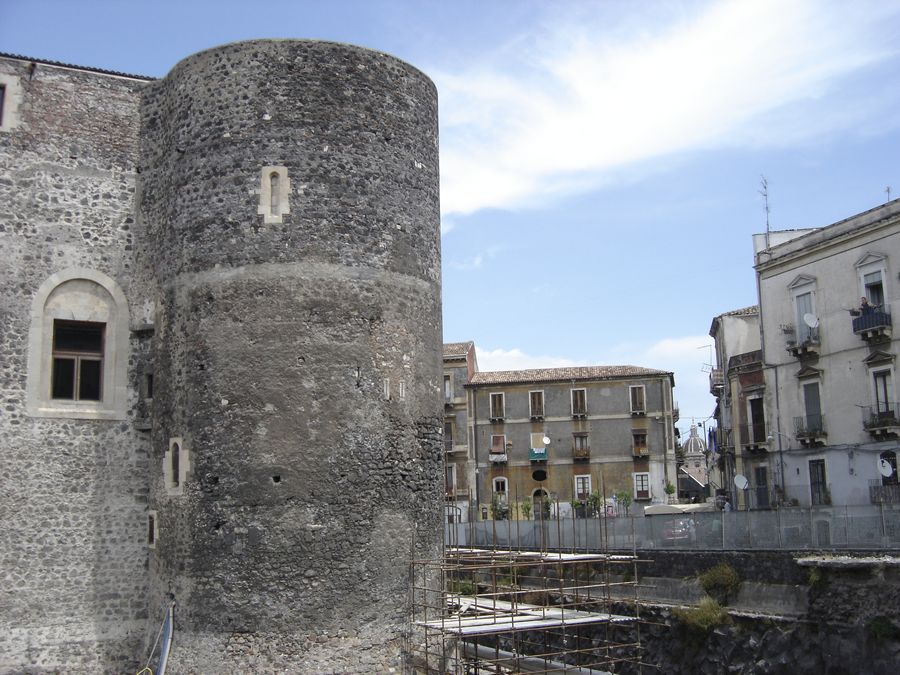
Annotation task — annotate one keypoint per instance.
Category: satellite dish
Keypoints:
(741, 482)
(811, 320)
(546, 440)
(540, 475)
(885, 468)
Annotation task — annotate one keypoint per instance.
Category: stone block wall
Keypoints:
(266, 221)
(73, 551)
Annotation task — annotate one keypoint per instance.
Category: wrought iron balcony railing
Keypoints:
(809, 425)
(881, 415)
(874, 320)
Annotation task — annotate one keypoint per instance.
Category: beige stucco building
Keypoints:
(829, 358)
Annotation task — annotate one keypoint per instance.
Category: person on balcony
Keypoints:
(864, 307)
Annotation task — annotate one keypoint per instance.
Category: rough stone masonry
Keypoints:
(243, 259)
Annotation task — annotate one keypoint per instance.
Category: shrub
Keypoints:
(526, 508)
(700, 619)
(461, 586)
(721, 582)
(817, 578)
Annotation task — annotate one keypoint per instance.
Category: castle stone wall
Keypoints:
(73, 551)
(267, 216)
(310, 485)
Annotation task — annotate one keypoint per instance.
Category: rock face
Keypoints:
(284, 282)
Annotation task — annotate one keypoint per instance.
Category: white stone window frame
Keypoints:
(502, 447)
(800, 286)
(174, 489)
(78, 294)
(273, 211)
(645, 476)
(868, 264)
(451, 474)
(500, 480)
(642, 410)
(582, 477)
(531, 411)
(584, 409)
(448, 387)
(12, 99)
(501, 413)
(879, 405)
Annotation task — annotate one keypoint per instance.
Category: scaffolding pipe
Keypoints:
(527, 664)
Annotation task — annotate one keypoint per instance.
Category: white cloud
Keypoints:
(689, 357)
(558, 110)
(516, 359)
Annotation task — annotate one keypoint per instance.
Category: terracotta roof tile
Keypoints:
(565, 374)
(457, 348)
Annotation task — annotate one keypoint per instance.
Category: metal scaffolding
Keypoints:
(505, 610)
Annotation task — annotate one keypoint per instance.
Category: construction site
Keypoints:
(500, 607)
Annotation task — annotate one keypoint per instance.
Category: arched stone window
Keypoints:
(78, 347)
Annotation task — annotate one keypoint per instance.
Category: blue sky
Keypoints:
(600, 160)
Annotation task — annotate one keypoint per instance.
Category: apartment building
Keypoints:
(460, 365)
(741, 437)
(828, 355)
(558, 434)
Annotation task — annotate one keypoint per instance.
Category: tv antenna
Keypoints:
(888, 191)
(765, 195)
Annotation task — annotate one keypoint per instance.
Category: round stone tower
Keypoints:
(289, 192)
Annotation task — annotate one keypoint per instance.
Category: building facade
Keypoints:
(556, 436)
(741, 437)
(460, 365)
(219, 359)
(827, 298)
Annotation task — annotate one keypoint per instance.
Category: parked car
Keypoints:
(677, 531)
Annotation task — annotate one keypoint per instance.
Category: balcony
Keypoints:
(810, 430)
(753, 437)
(873, 326)
(496, 457)
(724, 438)
(716, 382)
(581, 453)
(537, 454)
(882, 421)
(883, 494)
(806, 345)
(640, 451)
(448, 445)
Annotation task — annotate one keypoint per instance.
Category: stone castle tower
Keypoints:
(221, 359)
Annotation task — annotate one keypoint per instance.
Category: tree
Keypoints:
(623, 497)
(499, 508)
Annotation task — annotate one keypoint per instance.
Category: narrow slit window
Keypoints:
(151, 529)
(176, 464)
(275, 192)
(2, 99)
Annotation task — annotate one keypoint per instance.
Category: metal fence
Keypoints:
(852, 527)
